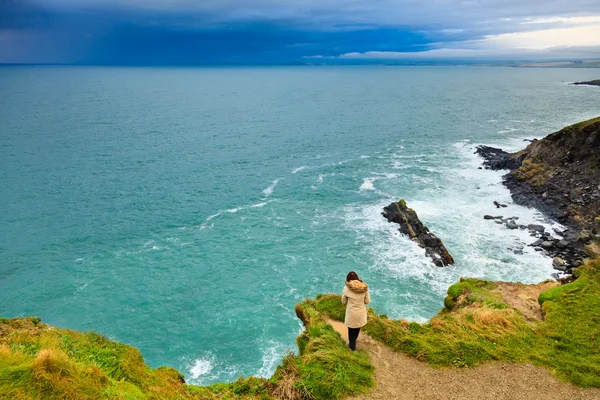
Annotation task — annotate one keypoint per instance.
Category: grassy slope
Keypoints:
(477, 326)
(38, 361)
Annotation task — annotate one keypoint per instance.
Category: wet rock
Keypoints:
(411, 226)
(496, 159)
(512, 225)
(547, 244)
(499, 205)
(536, 228)
(559, 264)
(563, 243)
(488, 217)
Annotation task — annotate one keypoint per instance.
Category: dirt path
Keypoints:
(524, 297)
(400, 377)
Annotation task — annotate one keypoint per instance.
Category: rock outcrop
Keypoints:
(411, 226)
(595, 82)
(560, 176)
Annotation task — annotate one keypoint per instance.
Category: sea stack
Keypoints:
(411, 226)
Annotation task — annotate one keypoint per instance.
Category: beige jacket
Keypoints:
(354, 297)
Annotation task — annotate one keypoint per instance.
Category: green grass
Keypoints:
(477, 326)
(325, 368)
(38, 361)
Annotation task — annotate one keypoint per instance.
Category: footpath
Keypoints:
(400, 377)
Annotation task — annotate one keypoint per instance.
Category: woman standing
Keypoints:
(354, 297)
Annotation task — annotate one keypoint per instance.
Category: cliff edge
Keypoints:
(560, 176)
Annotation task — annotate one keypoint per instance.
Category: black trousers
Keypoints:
(352, 335)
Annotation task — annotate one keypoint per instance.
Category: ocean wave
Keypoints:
(205, 223)
(508, 130)
(268, 191)
(272, 355)
(367, 184)
(201, 366)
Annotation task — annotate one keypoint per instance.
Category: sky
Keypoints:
(179, 32)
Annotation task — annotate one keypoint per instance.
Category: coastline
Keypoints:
(469, 299)
(557, 175)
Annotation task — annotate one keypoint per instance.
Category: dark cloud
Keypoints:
(255, 31)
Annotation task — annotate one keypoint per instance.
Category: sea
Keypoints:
(185, 211)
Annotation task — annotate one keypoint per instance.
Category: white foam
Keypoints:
(213, 216)
(201, 366)
(268, 191)
(82, 287)
(399, 165)
(271, 357)
(452, 207)
(364, 157)
(367, 184)
(296, 170)
(509, 130)
(205, 224)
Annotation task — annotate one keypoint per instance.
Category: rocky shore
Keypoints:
(560, 176)
(595, 82)
(411, 226)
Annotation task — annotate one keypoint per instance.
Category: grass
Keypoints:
(477, 326)
(536, 174)
(38, 361)
(325, 368)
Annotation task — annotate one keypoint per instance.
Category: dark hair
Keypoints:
(352, 276)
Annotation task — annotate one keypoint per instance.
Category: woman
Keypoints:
(354, 297)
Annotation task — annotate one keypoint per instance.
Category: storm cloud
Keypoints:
(274, 31)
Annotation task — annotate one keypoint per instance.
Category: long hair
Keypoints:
(352, 276)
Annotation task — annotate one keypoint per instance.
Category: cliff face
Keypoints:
(559, 175)
(563, 169)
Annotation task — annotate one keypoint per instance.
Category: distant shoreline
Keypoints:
(578, 64)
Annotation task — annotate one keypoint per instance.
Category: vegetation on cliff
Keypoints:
(38, 361)
(477, 325)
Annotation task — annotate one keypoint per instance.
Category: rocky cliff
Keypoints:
(559, 175)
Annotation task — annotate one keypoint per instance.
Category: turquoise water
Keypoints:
(186, 211)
